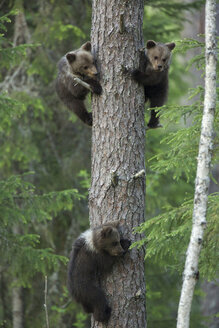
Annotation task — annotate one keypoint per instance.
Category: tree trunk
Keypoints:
(203, 168)
(17, 296)
(17, 307)
(118, 139)
(16, 81)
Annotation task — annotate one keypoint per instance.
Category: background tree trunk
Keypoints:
(17, 298)
(118, 140)
(203, 167)
(17, 307)
(17, 80)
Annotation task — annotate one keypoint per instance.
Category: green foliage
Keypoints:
(168, 247)
(22, 209)
(80, 319)
(64, 306)
(180, 142)
(10, 55)
(171, 167)
(10, 108)
(60, 32)
(175, 9)
(38, 210)
(184, 138)
(42, 213)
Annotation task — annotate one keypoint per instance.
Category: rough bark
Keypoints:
(203, 167)
(118, 138)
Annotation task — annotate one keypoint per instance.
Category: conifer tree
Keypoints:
(118, 136)
(23, 208)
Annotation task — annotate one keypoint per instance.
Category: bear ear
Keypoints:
(86, 46)
(150, 44)
(71, 57)
(171, 45)
(106, 232)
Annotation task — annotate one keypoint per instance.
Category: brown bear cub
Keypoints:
(79, 62)
(93, 255)
(154, 76)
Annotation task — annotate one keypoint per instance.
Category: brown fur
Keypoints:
(93, 255)
(81, 63)
(154, 76)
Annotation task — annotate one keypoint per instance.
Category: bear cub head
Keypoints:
(107, 239)
(81, 61)
(159, 54)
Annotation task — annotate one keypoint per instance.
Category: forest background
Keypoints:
(45, 166)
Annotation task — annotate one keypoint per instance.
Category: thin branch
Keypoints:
(79, 81)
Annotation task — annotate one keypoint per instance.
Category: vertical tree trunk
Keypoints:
(14, 81)
(17, 297)
(17, 307)
(203, 167)
(118, 140)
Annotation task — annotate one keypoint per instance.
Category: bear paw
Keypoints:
(154, 125)
(96, 88)
(89, 120)
(125, 243)
(135, 73)
(103, 316)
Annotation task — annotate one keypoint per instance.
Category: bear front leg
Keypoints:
(139, 76)
(125, 243)
(95, 85)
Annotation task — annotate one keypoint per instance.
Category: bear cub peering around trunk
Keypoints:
(79, 62)
(154, 76)
(93, 255)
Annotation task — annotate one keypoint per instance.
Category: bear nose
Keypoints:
(159, 66)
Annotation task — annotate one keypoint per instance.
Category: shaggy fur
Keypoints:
(81, 63)
(154, 76)
(93, 255)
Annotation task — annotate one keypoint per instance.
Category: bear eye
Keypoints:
(155, 57)
(115, 243)
(85, 67)
(164, 59)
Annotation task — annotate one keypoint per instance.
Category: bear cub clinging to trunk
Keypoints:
(154, 76)
(93, 255)
(79, 62)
